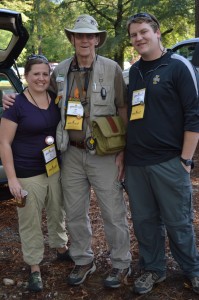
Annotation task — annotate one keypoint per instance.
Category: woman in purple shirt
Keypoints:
(31, 163)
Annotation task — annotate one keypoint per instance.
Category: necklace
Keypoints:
(163, 52)
(34, 99)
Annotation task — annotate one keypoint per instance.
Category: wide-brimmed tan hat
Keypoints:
(87, 24)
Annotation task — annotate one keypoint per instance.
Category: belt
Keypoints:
(80, 145)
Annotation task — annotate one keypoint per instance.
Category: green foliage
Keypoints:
(17, 5)
(5, 37)
(46, 20)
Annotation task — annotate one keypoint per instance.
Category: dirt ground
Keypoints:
(54, 273)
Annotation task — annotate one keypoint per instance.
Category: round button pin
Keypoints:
(49, 140)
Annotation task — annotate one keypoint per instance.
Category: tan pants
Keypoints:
(81, 170)
(43, 192)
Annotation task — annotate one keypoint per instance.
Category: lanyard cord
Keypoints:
(40, 109)
(35, 101)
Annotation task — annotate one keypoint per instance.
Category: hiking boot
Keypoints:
(64, 256)
(116, 277)
(79, 273)
(195, 284)
(145, 282)
(35, 282)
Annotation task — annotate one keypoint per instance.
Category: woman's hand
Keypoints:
(15, 188)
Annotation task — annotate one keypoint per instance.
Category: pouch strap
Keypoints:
(112, 124)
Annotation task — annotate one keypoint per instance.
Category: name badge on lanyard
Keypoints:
(50, 158)
(74, 116)
(138, 105)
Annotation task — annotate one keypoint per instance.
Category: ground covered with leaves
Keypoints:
(54, 273)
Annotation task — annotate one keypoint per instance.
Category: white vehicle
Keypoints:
(187, 48)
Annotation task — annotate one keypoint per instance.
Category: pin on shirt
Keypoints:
(49, 140)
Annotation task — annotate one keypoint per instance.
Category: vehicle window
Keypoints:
(190, 51)
(5, 85)
(5, 38)
(5, 88)
(186, 51)
(195, 58)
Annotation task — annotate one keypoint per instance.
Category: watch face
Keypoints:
(188, 162)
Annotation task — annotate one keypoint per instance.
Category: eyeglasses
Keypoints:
(37, 56)
(144, 15)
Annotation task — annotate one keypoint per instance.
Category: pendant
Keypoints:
(49, 140)
(91, 145)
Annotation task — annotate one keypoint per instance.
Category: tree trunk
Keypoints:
(196, 18)
(119, 58)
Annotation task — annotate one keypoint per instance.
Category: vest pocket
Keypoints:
(101, 100)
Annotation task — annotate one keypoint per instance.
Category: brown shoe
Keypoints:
(79, 273)
(117, 277)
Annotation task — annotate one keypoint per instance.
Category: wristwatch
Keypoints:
(187, 162)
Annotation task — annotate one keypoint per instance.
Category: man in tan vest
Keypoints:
(99, 82)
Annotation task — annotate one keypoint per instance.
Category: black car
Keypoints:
(13, 36)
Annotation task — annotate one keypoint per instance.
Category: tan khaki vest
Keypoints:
(103, 76)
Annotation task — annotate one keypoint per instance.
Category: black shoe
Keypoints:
(64, 256)
(35, 282)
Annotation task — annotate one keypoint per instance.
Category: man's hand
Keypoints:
(8, 100)
(120, 164)
(187, 168)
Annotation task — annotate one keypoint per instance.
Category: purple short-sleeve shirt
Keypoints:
(34, 125)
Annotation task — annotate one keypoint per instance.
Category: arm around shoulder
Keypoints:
(8, 100)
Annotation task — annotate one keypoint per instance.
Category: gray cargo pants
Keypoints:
(161, 194)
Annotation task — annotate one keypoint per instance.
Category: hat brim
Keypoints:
(102, 34)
